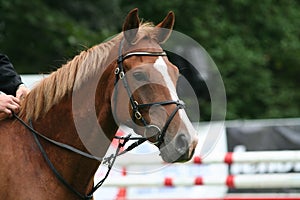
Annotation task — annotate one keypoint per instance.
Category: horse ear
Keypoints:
(131, 25)
(164, 28)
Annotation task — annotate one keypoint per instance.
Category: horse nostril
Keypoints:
(181, 144)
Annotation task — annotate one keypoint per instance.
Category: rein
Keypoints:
(110, 160)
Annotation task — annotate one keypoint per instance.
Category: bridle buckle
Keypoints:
(121, 75)
(117, 70)
(138, 115)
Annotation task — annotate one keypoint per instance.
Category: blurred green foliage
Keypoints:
(254, 43)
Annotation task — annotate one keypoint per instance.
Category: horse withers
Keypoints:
(126, 80)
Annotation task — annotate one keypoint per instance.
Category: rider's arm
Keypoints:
(9, 78)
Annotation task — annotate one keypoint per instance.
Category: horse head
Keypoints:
(145, 96)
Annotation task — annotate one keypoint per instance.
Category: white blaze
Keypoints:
(162, 67)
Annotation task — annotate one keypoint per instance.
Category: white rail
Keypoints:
(288, 180)
(229, 158)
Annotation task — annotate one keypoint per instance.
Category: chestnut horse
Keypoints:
(126, 80)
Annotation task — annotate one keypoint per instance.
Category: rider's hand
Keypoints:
(22, 92)
(8, 104)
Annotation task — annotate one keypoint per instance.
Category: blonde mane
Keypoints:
(60, 83)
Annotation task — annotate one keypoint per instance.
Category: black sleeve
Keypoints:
(9, 78)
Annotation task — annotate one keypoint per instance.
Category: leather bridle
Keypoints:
(109, 161)
(136, 107)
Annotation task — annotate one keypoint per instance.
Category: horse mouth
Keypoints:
(173, 155)
(185, 157)
(177, 158)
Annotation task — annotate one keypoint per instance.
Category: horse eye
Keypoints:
(140, 76)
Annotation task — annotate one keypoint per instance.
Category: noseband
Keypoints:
(136, 107)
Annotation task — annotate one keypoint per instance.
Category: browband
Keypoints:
(144, 53)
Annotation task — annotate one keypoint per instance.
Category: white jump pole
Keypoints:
(259, 181)
(229, 158)
(250, 157)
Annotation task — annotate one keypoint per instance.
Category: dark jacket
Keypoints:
(9, 78)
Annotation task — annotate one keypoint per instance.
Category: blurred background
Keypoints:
(254, 43)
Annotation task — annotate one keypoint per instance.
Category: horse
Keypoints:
(53, 147)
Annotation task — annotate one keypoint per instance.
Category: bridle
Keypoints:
(135, 106)
(109, 161)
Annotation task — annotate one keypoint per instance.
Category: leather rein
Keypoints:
(122, 140)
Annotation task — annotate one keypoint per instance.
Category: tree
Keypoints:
(38, 38)
(254, 43)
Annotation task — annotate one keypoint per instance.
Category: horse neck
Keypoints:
(73, 124)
